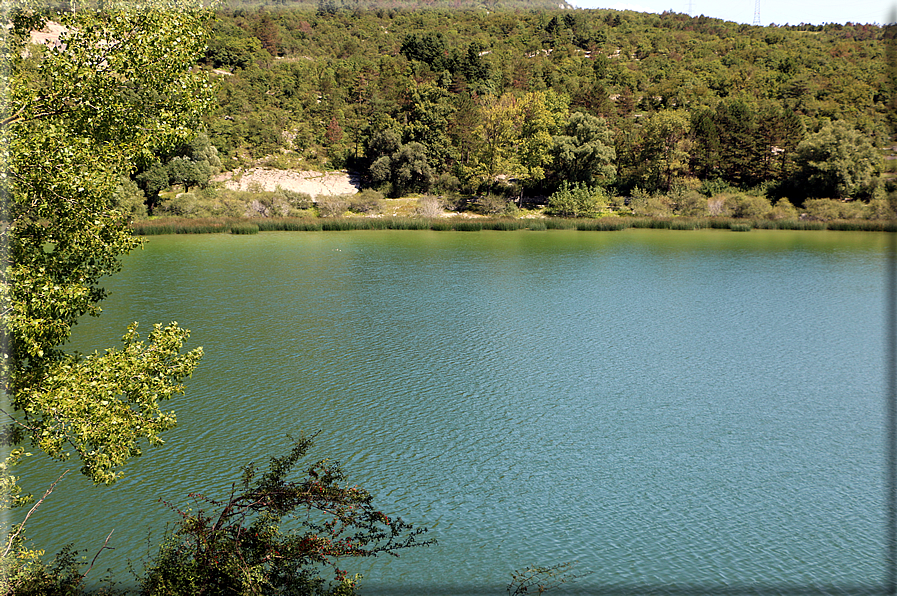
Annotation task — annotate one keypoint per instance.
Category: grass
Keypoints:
(505, 225)
(244, 228)
(601, 225)
(560, 224)
(862, 226)
(173, 225)
(468, 226)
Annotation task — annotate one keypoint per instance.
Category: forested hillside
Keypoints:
(513, 101)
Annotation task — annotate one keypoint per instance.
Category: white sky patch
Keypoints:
(771, 11)
(626, 6)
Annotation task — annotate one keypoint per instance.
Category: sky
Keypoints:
(771, 11)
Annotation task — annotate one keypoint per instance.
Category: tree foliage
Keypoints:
(457, 81)
(78, 113)
(274, 535)
(585, 151)
(838, 162)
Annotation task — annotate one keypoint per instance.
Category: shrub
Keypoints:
(645, 204)
(576, 200)
(367, 201)
(428, 206)
(716, 206)
(829, 209)
(295, 199)
(691, 203)
(332, 205)
(446, 183)
(492, 204)
(242, 546)
(783, 209)
(881, 209)
(747, 206)
(185, 204)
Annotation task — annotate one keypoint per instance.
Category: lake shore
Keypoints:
(462, 224)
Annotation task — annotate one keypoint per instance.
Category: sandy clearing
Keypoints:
(313, 183)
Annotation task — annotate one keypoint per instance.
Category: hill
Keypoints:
(519, 100)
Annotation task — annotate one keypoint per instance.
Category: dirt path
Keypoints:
(313, 183)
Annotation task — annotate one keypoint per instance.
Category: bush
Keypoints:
(429, 206)
(783, 209)
(242, 547)
(691, 203)
(332, 205)
(746, 206)
(576, 200)
(829, 209)
(295, 199)
(881, 209)
(367, 201)
(646, 205)
(493, 204)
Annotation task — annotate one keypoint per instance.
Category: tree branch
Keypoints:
(102, 548)
(33, 509)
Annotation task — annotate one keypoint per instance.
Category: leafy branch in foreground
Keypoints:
(240, 547)
(79, 112)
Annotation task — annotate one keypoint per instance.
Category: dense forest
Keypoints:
(514, 101)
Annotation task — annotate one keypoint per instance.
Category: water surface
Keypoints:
(677, 411)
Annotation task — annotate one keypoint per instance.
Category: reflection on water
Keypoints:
(688, 412)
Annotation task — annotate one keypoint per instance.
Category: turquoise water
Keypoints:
(678, 412)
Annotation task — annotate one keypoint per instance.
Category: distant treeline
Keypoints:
(514, 102)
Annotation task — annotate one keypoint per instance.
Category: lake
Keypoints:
(678, 412)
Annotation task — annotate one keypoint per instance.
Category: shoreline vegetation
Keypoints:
(163, 226)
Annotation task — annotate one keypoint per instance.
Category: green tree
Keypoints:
(585, 151)
(540, 116)
(664, 149)
(118, 86)
(495, 152)
(428, 115)
(838, 162)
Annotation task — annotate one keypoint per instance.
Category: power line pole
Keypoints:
(757, 12)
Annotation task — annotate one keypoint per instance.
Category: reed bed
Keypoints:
(179, 226)
(288, 225)
(601, 225)
(796, 224)
(560, 224)
(408, 223)
(244, 228)
(719, 223)
(468, 226)
(504, 225)
(862, 226)
(299, 224)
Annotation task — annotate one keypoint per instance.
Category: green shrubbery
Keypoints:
(577, 200)
(274, 535)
